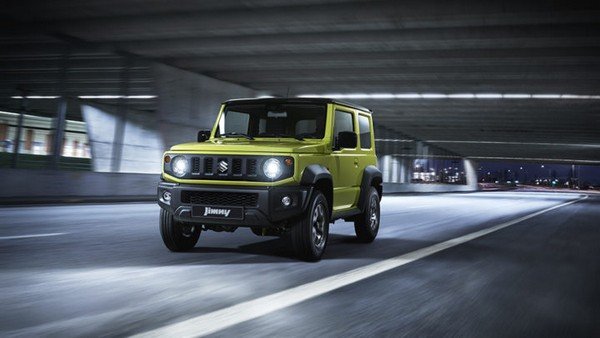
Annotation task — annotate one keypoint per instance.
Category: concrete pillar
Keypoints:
(470, 174)
(385, 167)
(17, 143)
(405, 170)
(188, 102)
(142, 145)
(59, 132)
(394, 175)
(61, 112)
(117, 151)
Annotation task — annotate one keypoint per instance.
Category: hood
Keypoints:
(269, 146)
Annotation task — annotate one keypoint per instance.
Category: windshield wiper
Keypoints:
(236, 134)
(302, 136)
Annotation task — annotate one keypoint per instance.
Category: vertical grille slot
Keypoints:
(208, 165)
(195, 165)
(236, 167)
(251, 167)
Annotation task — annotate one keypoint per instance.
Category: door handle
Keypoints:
(356, 162)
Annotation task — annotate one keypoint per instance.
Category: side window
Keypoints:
(343, 122)
(365, 132)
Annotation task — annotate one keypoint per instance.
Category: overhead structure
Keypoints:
(486, 80)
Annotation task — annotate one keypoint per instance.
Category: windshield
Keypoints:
(294, 120)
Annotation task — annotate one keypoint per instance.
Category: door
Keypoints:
(345, 188)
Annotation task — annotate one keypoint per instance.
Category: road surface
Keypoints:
(102, 270)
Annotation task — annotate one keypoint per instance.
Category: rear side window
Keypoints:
(365, 132)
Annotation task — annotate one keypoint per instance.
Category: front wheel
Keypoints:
(310, 233)
(177, 236)
(366, 225)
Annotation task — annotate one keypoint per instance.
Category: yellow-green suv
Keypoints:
(281, 166)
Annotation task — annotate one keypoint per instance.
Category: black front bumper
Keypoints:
(266, 210)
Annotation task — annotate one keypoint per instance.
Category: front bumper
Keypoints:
(265, 209)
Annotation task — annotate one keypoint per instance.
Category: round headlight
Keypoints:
(272, 168)
(179, 166)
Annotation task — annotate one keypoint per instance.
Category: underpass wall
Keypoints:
(188, 102)
(27, 186)
(141, 144)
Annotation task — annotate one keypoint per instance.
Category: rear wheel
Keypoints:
(310, 233)
(177, 236)
(366, 225)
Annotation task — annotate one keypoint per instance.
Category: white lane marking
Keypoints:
(221, 319)
(33, 235)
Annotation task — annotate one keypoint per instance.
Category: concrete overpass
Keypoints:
(506, 80)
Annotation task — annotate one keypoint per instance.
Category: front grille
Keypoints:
(227, 168)
(219, 198)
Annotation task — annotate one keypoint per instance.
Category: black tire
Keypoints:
(366, 225)
(309, 234)
(177, 236)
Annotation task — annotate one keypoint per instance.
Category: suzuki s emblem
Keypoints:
(223, 166)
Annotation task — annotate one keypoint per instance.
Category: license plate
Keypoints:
(205, 211)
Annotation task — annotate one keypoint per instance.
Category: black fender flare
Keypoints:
(371, 177)
(315, 173)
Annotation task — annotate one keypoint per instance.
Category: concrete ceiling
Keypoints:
(298, 47)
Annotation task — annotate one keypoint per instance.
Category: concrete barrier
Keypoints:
(20, 186)
(394, 188)
(50, 186)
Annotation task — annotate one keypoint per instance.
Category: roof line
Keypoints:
(301, 99)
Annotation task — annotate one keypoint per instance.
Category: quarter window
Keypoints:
(365, 132)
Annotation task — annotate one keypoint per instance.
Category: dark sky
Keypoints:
(586, 173)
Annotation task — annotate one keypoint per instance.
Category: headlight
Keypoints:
(179, 166)
(272, 168)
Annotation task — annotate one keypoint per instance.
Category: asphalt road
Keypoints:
(102, 270)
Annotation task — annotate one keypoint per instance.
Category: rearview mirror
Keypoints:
(346, 139)
(203, 135)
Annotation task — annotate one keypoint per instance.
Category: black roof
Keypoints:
(318, 100)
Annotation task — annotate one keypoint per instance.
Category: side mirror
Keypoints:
(346, 139)
(203, 135)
